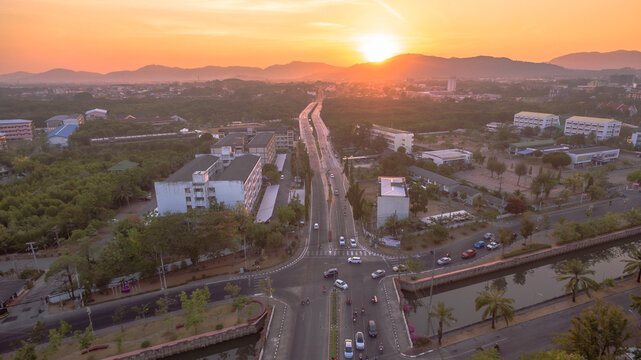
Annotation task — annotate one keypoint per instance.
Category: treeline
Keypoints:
(109, 128)
(63, 192)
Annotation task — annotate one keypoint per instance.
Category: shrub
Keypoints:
(193, 278)
(526, 249)
(219, 326)
(145, 344)
(203, 276)
(421, 341)
(609, 282)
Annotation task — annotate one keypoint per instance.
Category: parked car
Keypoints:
(354, 260)
(371, 328)
(335, 192)
(330, 272)
(399, 268)
(352, 242)
(331, 175)
(349, 349)
(479, 244)
(444, 260)
(493, 245)
(341, 241)
(340, 284)
(469, 253)
(315, 226)
(488, 236)
(282, 177)
(360, 341)
(378, 274)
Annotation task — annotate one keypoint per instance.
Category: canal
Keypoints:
(527, 285)
(238, 349)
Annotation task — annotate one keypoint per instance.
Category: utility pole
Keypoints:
(33, 252)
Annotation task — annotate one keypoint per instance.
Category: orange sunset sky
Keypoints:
(111, 35)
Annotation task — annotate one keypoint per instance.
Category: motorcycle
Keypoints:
(362, 310)
(302, 302)
(374, 300)
(380, 348)
(307, 301)
(348, 301)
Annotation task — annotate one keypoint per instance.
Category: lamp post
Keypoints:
(89, 314)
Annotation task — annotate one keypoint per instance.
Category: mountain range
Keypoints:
(598, 61)
(414, 66)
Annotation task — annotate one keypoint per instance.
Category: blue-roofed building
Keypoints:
(60, 135)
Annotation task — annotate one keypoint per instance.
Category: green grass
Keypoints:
(527, 249)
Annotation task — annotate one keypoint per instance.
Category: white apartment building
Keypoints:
(450, 157)
(238, 144)
(601, 127)
(394, 138)
(205, 179)
(597, 155)
(534, 119)
(263, 145)
(393, 198)
(636, 139)
(451, 84)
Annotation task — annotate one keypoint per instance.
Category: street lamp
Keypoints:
(89, 314)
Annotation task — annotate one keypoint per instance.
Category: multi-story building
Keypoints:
(229, 147)
(60, 135)
(534, 119)
(285, 137)
(394, 138)
(94, 114)
(452, 157)
(595, 155)
(3, 141)
(392, 199)
(636, 139)
(239, 144)
(205, 179)
(601, 127)
(263, 145)
(451, 84)
(16, 129)
(59, 120)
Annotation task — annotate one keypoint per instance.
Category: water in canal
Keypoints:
(528, 285)
(238, 349)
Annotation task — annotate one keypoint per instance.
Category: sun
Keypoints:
(378, 47)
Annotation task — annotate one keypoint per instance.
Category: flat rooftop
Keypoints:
(591, 119)
(394, 131)
(239, 169)
(261, 140)
(591, 149)
(200, 163)
(537, 143)
(231, 140)
(392, 186)
(449, 154)
(14, 121)
(534, 114)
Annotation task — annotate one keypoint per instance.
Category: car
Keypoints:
(349, 349)
(352, 242)
(331, 175)
(335, 192)
(469, 253)
(399, 268)
(444, 260)
(488, 236)
(341, 241)
(315, 226)
(493, 245)
(354, 260)
(378, 274)
(282, 177)
(113, 221)
(302, 222)
(360, 341)
(371, 328)
(479, 244)
(330, 272)
(340, 284)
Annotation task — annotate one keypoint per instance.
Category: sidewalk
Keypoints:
(279, 332)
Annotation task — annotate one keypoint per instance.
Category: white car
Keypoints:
(493, 245)
(315, 226)
(360, 341)
(378, 274)
(349, 349)
(331, 176)
(352, 242)
(341, 241)
(354, 260)
(340, 284)
(488, 236)
(282, 177)
(444, 260)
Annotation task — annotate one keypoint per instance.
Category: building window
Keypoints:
(188, 207)
(187, 190)
(200, 198)
(211, 189)
(188, 198)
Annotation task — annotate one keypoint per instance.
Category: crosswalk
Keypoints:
(340, 252)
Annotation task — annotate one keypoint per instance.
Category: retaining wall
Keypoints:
(484, 269)
(196, 342)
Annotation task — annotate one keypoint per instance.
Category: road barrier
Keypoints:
(484, 269)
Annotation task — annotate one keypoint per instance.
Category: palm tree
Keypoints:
(495, 304)
(633, 264)
(636, 303)
(444, 316)
(576, 271)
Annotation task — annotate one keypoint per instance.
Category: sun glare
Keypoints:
(378, 47)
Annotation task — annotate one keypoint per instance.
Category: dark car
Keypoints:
(330, 272)
(469, 253)
(371, 328)
(479, 244)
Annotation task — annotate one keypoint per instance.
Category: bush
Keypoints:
(145, 344)
(421, 341)
(219, 326)
(526, 249)
(609, 282)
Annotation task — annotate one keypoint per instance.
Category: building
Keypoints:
(533, 119)
(94, 114)
(229, 147)
(205, 179)
(595, 155)
(635, 139)
(3, 141)
(16, 129)
(59, 120)
(60, 135)
(285, 137)
(9, 290)
(155, 121)
(601, 127)
(515, 148)
(444, 183)
(494, 126)
(394, 138)
(392, 199)
(451, 84)
(263, 145)
(452, 157)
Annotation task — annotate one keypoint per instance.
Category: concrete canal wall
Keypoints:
(484, 269)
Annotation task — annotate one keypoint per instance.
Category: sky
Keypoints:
(112, 35)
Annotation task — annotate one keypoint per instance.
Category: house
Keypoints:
(393, 199)
(60, 120)
(444, 183)
(94, 114)
(60, 135)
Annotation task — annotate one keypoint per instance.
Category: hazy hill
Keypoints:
(598, 61)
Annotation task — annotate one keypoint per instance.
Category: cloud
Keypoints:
(327, 25)
(390, 9)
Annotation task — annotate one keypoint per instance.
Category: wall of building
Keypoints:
(387, 206)
(58, 140)
(17, 131)
(229, 192)
(171, 196)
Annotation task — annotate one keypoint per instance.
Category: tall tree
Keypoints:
(527, 225)
(195, 307)
(576, 273)
(634, 263)
(419, 198)
(520, 169)
(444, 316)
(599, 332)
(636, 303)
(496, 305)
